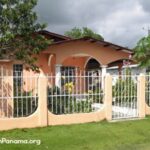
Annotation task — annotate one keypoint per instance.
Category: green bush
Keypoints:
(97, 95)
(24, 102)
(63, 103)
(125, 88)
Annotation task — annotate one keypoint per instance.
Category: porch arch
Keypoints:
(88, 61)
(79, 55)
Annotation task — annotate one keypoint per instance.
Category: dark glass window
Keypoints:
(68, 73)
(17, 74)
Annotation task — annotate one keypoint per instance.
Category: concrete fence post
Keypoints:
(42, 105)
(141, 96)
(108, 97)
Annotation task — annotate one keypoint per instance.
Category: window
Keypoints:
(17, 74)
(68, 73)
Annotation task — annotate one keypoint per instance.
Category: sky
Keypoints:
(122, 22)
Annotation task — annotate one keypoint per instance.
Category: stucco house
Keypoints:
(68, 55)
(82, 61)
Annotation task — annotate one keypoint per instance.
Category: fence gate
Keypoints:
(124, 103)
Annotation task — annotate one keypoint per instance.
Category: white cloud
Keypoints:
(117, 21)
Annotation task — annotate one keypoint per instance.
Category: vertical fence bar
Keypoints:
(7, 94)
(2, 72)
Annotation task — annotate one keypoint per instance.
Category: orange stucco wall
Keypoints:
(104, 55)
(72, 54)
(75, 61)
(6, 90)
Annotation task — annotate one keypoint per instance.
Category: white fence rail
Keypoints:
(78, 92)
(25, 96)
(124, 104)
(71, 92)
(18, 96)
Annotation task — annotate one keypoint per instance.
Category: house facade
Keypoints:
(73, 85)
(83, 54)
(71, 57)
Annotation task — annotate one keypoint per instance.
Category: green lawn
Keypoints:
(128, 135)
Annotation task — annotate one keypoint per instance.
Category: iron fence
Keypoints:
(77, 92)
(124, 103)
(73, 91)
(18, 95)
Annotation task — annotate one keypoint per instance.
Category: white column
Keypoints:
(58, 75)
(104, 72)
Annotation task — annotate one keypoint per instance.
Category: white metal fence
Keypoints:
(25, 96)
(124, 104)
(18, 95)
(78, 92)
(74, 91)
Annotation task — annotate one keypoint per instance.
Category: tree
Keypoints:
(19, 38)
(142, 52)
(77, 33)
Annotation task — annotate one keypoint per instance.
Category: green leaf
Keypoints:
(18, 31)
(77, 33)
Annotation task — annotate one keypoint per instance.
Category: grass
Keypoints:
(128, 135)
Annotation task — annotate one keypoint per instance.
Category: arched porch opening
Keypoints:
(82, 62)
(78, 83)
(92, 64)
(81, 66)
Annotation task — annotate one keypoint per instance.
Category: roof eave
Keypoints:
(92, 40)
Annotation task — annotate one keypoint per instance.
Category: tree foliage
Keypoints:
(77, 33)
(19, 38)
(142, 52)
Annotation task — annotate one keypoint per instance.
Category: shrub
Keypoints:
(64, 102)
(125, 89)
(25, 104)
